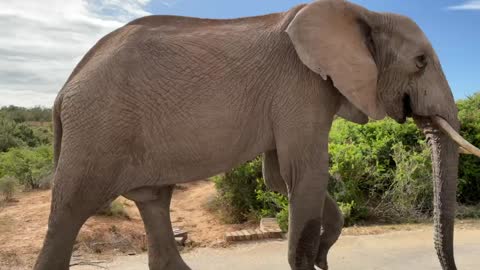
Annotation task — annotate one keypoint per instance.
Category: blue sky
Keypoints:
(42, 41)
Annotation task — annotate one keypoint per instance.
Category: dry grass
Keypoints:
(381, 229)
(23, 225)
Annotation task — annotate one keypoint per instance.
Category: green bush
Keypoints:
(381, 170)
(282, 218)
(20, 114)
(468, 211)
(242, 195)
(361, 156)
(26, 135)
(45, 180)
(114, 209)
(237, 191)
(8, 186)
(469, 167)
(14, 135)
(272, 204)
(410, 196)
(347, 210)
(8, 132)
(33, 136)
(29, 165)
(43, 135)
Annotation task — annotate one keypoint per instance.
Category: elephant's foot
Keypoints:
(177, 264)
(322, 264)
(321, 261)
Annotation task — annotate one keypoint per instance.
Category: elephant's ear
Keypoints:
(332, 38)
(351, 113)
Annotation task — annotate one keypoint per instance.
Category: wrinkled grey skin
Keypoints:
(332, 217)
(167, 100)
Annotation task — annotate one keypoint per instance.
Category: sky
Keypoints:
(42, 41)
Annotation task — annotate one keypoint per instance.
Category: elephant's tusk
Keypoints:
(462, 150)
(464, 145)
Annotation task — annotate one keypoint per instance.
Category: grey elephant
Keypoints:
(166, 100)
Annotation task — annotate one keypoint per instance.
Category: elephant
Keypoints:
(165, 100)
(332, 222)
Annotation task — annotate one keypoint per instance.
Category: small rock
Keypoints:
(180, 240)
(180, 233)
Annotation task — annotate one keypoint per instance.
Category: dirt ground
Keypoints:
(23, 225)
(402, 250)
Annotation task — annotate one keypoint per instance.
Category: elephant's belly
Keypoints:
(196, 155)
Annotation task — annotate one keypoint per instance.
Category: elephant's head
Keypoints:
(383, 64)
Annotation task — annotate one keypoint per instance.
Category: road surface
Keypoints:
(393, 251)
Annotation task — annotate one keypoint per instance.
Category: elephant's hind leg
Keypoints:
(154, 206)
(74, 200)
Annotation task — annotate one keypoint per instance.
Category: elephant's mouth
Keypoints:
(406, 109)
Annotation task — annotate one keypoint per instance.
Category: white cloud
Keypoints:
(41, 42)
(169, 3)
(468, 5)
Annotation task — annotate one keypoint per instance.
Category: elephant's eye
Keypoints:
(421, 61)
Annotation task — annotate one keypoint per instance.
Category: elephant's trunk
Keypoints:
(445, 172)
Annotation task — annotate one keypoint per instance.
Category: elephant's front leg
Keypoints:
(305, 169)
(306, 207)
(332, 217)
(332, 225)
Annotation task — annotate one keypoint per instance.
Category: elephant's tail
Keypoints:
(57, 129)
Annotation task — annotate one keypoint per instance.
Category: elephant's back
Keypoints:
(184, 24)
(159, 37)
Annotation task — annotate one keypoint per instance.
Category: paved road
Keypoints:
(392, 251)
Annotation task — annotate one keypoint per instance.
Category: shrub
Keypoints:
(352, 212)
(237, 191)
(410, 196)
(469, 167)
(7, 134)
(8, 186)
(13, 135)
(282, 219)
(28, 165)
(362, 156)
(46, 180)
(114, 209)
(347, 210)
(242, 195)
(20, 114)
(44, 135)
(272, 204)
(26, 135)
(468, 211)
(378, 165)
